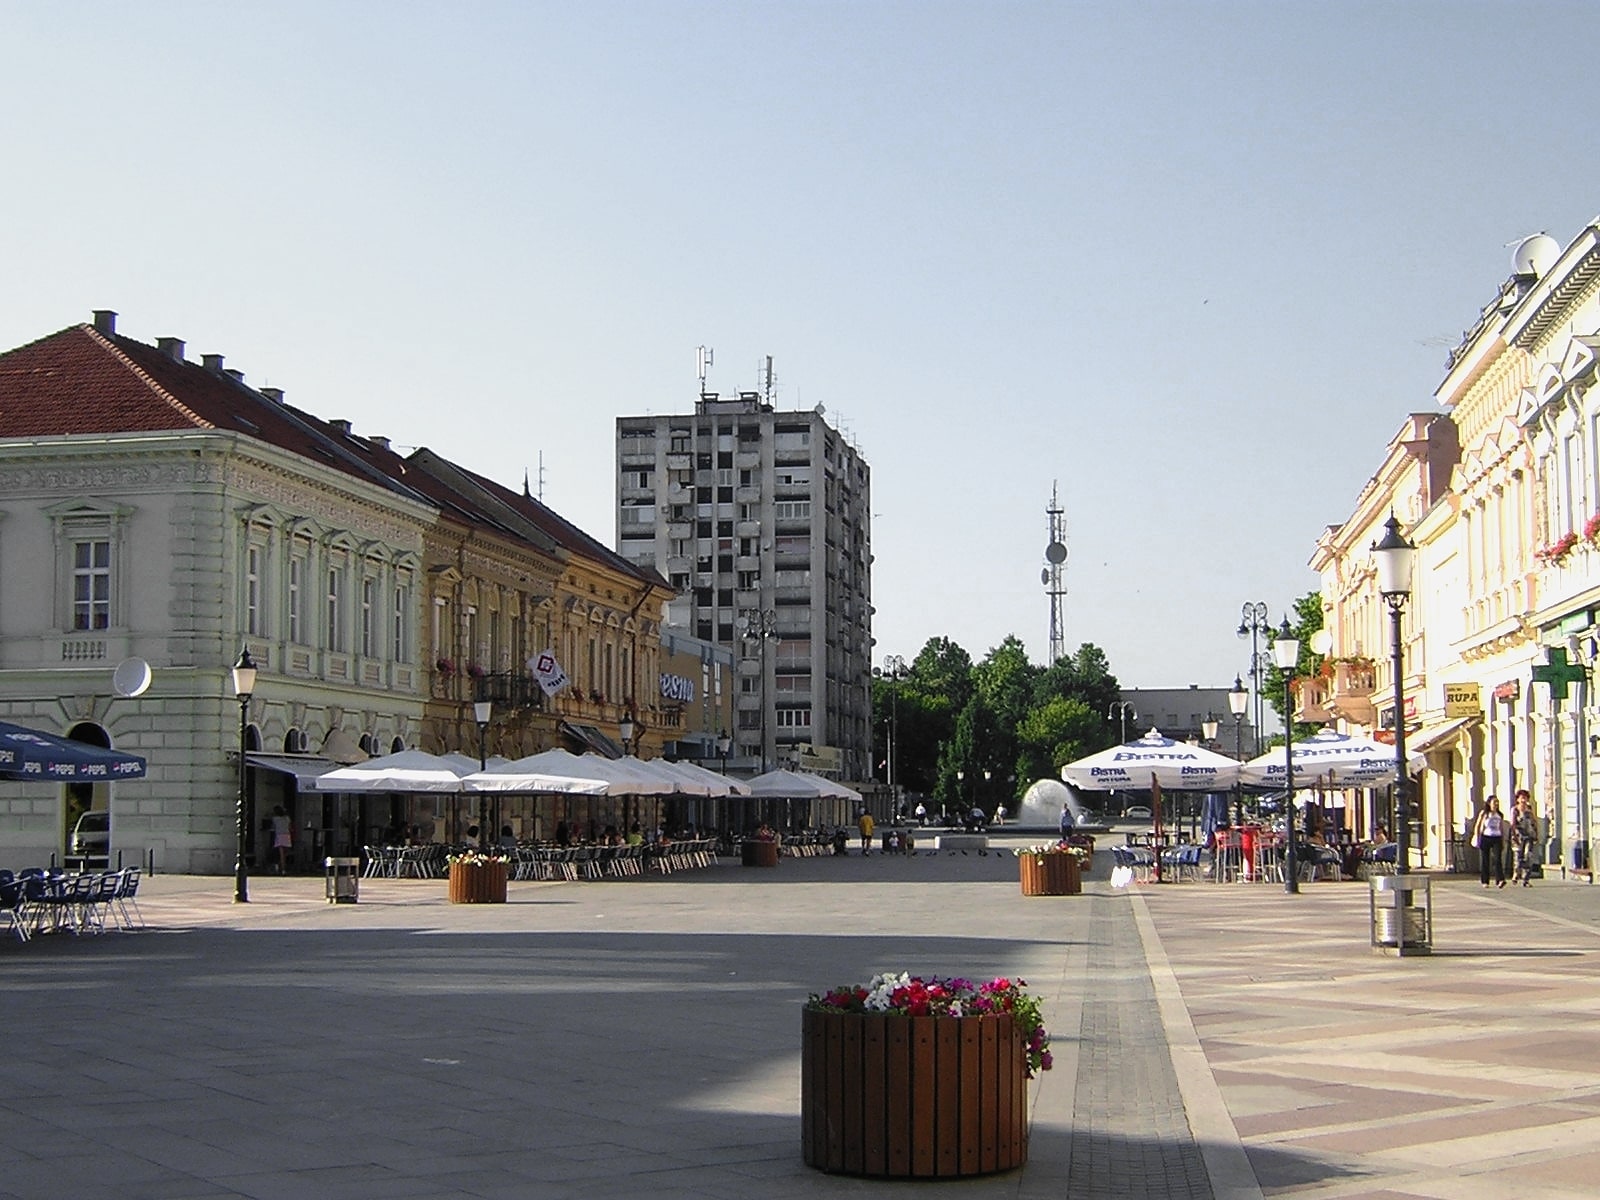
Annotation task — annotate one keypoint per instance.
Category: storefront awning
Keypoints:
(1436, 737)
(304, 768)
(591, 738)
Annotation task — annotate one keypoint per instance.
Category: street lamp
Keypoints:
(1208, 731)
(761, 625)
(894, 670)
(1253, 624)
(1124, 709)
(625, 731)
(1238, 701)
(1285, 654)
(482, 710)
(1394, 556)
(244, 684)
(723, 742)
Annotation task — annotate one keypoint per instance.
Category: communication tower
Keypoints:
(1055, 559)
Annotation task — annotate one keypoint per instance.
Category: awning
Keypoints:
(591, 738)
(1436, 737)
(303, 767)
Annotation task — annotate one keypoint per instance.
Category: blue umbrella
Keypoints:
(29, 754)
(1213, 814)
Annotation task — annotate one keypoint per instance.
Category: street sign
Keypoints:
(1462, 700)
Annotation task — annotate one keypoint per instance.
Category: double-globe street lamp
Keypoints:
(1393, 557)
(1255, 625)
(1124, 710)
(244, 685)
(1285, 654)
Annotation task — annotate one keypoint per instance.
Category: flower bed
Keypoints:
(1054, 870)
(477, 878)
(919, 1078)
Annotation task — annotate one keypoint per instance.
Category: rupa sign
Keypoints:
(1462, 700)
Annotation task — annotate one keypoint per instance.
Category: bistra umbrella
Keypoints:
(1335, 759)
(1174, 765)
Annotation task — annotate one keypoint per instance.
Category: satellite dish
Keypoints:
(131, 678)
(819, 410)
(1056, 553)
(1321, 641)
(1044, 574)
(1535, 255)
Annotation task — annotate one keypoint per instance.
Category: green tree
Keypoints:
(1306, 621)
(1056, 732)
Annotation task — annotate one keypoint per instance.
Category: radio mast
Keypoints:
(1055, 558)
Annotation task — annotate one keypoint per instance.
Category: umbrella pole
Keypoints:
(1155, 795)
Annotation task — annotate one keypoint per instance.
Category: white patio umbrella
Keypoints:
(403, 771)
(545, 772)
(799, 785)
(719, 785)
(1336, 759)
(1169, 764)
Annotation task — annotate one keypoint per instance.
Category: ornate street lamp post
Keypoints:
(1238, 701)
(760, 625)
(1253, 624)
(1208, 733)
(244, 685)
(1393, 556)
(1285, 654)
(1124, 710)
(723, 743)
(482, 710)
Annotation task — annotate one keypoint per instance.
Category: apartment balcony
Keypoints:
(1311, 700)
(680, 462)
(1352, 687)
(678, 494)
(637, 458)
(747, 529)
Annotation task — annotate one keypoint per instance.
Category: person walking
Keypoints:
(1524, 838)
(865, 825)
(1489, 836)
(1066, 821)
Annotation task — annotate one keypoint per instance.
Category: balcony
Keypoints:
(1350, 694)
(1311, 700)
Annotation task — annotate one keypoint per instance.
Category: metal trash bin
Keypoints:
(344, 880)
(1402, 914)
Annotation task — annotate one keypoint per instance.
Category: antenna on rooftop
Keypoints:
(541, 477)
(704, 357)
(769, 382)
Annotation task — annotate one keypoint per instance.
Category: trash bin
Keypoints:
(344, 880)
(1402, 914)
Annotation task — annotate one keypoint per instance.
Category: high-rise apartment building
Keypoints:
(761, 520)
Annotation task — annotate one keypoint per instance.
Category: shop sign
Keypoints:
(1462, 700)
(677, 687)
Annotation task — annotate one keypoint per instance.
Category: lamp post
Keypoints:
(761, 625)
(482, 710)
(244, 685)
(625, 729)
(1285, 654)
(1393, 557)
(1254, 624)
(1208, 731)
(894, 670)
(723, 742)
(1238, 701)
(1124, 709)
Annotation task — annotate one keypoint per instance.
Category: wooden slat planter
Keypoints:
(485, 884)
(1050, 875)
(912, 1097)
(754, 853)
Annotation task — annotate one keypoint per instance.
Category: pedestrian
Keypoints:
(1524, 838)
(922, 813)
(1066, 821)
(1489, 836)
(865, 825)
(282, 837)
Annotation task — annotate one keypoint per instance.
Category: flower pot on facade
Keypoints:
(755, 853)
(1050, 874)
(478, 883)
(896, 1096)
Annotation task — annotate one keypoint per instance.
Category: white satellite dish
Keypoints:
(1535, 255)
(1321, 641)
(131, 678)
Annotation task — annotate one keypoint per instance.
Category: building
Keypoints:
(157, 508)
(1181, 714)
(761, 522)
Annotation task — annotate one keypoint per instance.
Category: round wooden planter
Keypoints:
(1050, 875)
(755, 853)
(912, 1097)
(485, 884)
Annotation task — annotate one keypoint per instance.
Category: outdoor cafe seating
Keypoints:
(39, 900)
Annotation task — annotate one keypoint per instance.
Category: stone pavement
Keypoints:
(640, 1037)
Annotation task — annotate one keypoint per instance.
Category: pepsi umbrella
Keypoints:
(29, 754)
(1171, 764)
(1335, 759)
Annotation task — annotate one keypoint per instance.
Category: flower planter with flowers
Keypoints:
(478, 878)
(919, 1078)
(1052, 870)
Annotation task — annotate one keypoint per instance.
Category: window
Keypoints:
(297, 566)
(792, 510)
(369, 625)
(252, 591)
(402, 605)
(334, 633)
(91, 584)
(794, 718)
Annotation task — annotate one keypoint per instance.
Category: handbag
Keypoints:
(1476, 843)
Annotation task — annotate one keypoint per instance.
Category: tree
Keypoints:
(1056, 732)
(1307, 620)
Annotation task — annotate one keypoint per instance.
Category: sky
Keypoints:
(1191, 265)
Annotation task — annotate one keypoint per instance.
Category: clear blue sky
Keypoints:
(1196, 262)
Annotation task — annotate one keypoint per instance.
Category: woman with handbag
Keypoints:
(1489, 836)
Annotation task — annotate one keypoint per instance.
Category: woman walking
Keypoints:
(1489, 836)
(1524, 838)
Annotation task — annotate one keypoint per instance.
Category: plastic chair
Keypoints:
(11, 905)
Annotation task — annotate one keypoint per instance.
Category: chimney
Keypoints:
(341, 425)
(235, 375)
(273, 394)
(105, 320)
(382, 443)
(212, 362)
(171, 347)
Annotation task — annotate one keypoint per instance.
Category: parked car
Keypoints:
(1136, 812)
(91, 841)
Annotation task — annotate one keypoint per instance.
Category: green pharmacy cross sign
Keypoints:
(1557, 672)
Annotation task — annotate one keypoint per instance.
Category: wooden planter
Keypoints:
(485, 884)
(1050, 874)
(912, 1097)
(755, 853)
